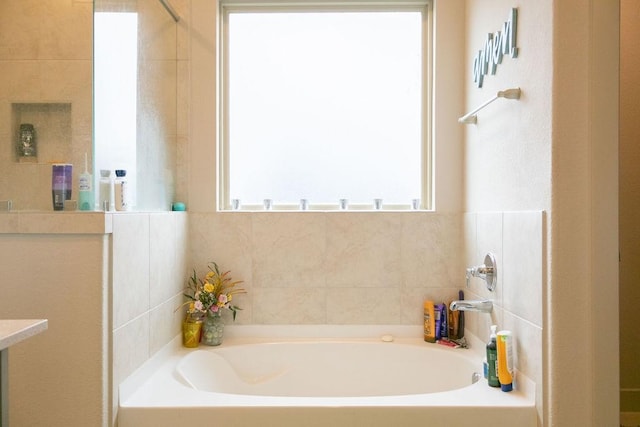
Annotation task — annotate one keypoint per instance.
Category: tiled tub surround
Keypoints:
(376, 268)
(332, 267)
(315, 268)
(149, 275)
(517, 240)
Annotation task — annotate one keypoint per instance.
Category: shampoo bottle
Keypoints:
(121, 187)
(85, 189)
(429, 322)
(438, 319)
(444, 321)
(504, 343)
(492, 359)
(61, 176)
(105, 190)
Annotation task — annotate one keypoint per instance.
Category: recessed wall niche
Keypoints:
(52, 124)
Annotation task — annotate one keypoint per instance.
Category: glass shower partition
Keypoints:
(136, 98)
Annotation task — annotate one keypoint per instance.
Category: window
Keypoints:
(324, 104)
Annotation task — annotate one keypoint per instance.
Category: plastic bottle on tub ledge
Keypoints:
(492, 359)
(429, 321)
(121, 190)
(504, 343)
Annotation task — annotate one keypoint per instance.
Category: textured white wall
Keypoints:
(508, 153)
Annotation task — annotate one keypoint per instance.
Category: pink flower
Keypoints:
(215, 308)
(198, 305)
(223, 299)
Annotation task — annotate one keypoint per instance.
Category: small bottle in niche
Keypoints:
(121, 190)
(27, 141)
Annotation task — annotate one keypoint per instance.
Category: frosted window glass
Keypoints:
(325, 106)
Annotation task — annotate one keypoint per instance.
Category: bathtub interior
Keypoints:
(327, 369)
(164, 389)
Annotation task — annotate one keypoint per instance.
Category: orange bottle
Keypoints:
(429, 322)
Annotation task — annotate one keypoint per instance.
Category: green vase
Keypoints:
(212, 329)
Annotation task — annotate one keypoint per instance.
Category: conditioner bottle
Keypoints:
(492, 359)
(505, 360)
(429, 322)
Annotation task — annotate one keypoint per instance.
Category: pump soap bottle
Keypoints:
(492, 359)
(85, 189)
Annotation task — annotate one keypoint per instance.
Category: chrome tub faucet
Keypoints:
(484, 306)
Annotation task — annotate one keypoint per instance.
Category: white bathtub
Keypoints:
(319, 376)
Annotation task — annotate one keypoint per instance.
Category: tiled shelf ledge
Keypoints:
(38, 222)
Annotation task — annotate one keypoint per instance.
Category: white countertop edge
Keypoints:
(12, 331)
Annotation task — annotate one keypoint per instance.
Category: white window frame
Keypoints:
(238, 6)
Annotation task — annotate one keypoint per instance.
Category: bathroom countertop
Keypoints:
(14, 331)
(63, 222)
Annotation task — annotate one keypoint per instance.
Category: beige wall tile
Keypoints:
(488, 239)
(165, 323)
(224, 238)
(130, 267)
(430, 250)
(130, 349)
(275, 306)
(412, 302)
(375, 306)
(522, 267)
(364, 249)
(289, 250)
(164, 282)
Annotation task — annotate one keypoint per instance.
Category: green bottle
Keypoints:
(492, 359)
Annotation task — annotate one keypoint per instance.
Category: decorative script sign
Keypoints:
(495, 47)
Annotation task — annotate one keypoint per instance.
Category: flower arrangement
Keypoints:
(212, 293)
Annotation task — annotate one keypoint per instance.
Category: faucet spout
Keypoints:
(484, 306)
